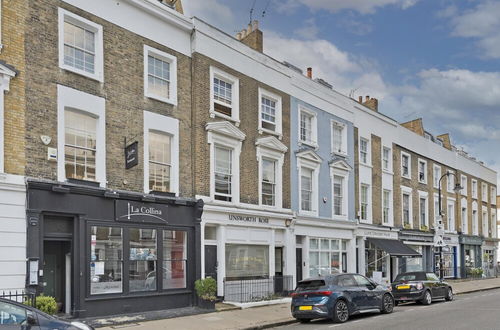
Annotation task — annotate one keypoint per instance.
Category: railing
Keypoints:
(28, 298)
(248, 290)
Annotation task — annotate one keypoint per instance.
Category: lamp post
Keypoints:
(456, 189)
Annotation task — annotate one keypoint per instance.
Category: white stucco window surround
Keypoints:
(338, 137)
(270, 113)
(86, 55)
(154, 122)
(307, 127)
(309, 160)
(270, 148)
(223, 134)
(228, 96)
(405, 165)
(464, 228)
(408, 192)
(160, 67)
(6, 73)
(423, 210)
(340, 168)
(88, 104)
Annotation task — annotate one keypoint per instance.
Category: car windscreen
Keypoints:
(310, 285)
(410, 277)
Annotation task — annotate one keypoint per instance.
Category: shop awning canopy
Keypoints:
(394, 247)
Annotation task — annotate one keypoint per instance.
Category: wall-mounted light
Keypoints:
(288, 222)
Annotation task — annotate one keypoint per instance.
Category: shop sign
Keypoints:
(131, 155)
(450, 240)
(417, 238)
(131, 211)
(374, 233)
(471, 240)
(244, 218)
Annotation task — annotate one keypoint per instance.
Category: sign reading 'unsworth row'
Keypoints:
(245, 218)
(131, 211)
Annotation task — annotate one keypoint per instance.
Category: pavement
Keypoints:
(267, 316)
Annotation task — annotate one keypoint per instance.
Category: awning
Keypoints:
(394, 247)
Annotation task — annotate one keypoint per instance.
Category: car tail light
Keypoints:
(322, 293)
(420, 286)
(295, 294)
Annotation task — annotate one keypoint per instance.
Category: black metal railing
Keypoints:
(21, 296)
(257, 289)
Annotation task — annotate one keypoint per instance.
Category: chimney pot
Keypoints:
(255, 25)
(309, 73)
(238, 35)
(367, 98)
(360, 99)
(249, 28)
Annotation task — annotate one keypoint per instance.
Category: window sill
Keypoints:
(340, 217)
(388, 172)
(270, 132)
(94, 76)
(366, 165)
(214, 114)
(83, 182)
(422, 182)
(171, 101)
(406, 177)
(309, 143)
(308, 213)
(340, 153)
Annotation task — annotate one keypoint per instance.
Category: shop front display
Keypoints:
(109, 253)
(327, 256)
(423, 243)
(470, 250)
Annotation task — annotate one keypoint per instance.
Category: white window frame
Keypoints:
(279, 158)
(335, 171)
(409, 165)
(425, 196)
(464, 220)
(450, 182)
(450, 217)
(389, 207)
(72, 99)
(389, 160)
(368, 151)
(314, 127)
(172, 61)
(421, 161)
(474, 188)
(463, 191)
(493, 224)
(66, 16)
(493, 193)
(278, 116)
(436, 175)
(343, 146)
(235, 95)
(475, 219)
(314, 166)
(407, 191)
(369, 203)
(485, 222)
(436, 208)
(169, 126)
(484, 192)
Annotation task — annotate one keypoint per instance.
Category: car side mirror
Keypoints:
(31, 319)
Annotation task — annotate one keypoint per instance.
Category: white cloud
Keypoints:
(211, 11)
(361, 6)
(481, 23)
(308, 31)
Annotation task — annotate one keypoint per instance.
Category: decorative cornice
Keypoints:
(340, 164)
(310, 155)
(225, 128)
(271, 142)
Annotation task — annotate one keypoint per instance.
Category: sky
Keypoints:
(433, 59)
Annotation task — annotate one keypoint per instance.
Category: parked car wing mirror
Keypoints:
(31, 318)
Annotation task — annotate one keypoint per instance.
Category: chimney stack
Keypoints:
(371, 103)
(252, 36)
(309, 73)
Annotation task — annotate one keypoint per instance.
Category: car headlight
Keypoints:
(81, 325)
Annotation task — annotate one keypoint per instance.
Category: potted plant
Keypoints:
(424, 228)
(206, 289)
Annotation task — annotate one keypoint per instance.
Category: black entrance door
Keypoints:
(298, 263)
(211, 261)
(55, 275)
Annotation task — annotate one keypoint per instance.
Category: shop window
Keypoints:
(174, 259)
(160, 161)
(414, 264)
(376, 260)
(325, 256)
(106, 260)
(224, 95)
(223, 174)
(80, 45)
(268, 182)
(247, 261)
(160, 75)
(80, 145)
(142, 259)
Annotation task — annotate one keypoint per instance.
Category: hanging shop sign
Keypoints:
(131, 155)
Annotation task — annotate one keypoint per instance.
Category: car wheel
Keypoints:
(340, 312)
(449, 295)
(427, 299)
(387, 304)
(304, 320)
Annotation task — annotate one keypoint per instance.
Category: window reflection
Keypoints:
(174, 259)
(106, 248)
(142, 266)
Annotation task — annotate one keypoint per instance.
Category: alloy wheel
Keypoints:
(341, 311)
(388, 304)
(449, 297)
(428, 298)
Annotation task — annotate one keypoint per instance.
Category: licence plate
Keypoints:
(402, 287)
(305, 308)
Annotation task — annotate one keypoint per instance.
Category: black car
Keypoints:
(14, 315)
(422, 287)
(339, 296)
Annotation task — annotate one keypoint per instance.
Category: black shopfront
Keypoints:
(102, 252)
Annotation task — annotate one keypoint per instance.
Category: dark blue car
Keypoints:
(339, 296)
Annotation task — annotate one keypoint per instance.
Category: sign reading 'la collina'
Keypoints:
(131, 211)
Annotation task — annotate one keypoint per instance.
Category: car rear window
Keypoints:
(310, 285)
(410, 277)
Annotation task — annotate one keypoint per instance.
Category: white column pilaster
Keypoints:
(221, 258)
(271, 253)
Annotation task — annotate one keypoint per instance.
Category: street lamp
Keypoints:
(456, 189)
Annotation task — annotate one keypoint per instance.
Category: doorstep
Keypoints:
(260, 303)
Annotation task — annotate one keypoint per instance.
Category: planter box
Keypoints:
(206, 304)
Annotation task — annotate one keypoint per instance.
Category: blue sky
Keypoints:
(435, 59)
